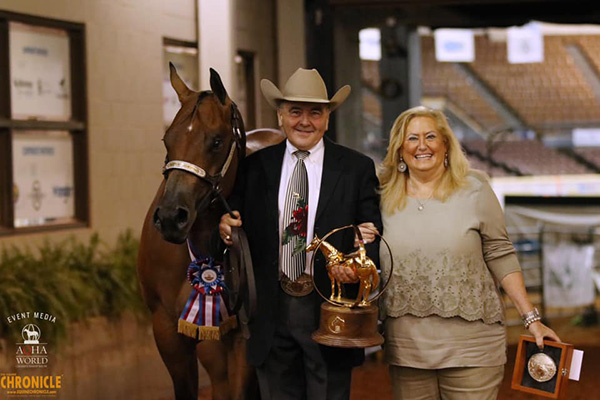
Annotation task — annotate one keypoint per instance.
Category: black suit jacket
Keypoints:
(347, 196)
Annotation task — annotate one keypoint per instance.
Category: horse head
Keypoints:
(313, 245)
(201, 165)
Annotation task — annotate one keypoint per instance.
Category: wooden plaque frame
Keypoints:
(562, 354)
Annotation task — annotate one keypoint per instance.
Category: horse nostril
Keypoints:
(181, 217)
(156, 218)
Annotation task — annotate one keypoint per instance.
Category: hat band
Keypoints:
(303, 99)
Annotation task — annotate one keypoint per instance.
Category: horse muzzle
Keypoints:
(173, 223)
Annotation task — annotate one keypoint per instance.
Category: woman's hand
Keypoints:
(541, 331)
(369, 232)
(514, 286)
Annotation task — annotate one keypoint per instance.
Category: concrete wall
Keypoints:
(124, 56)
(255, 25)
(290, 30)
(124, 68)
(124, 47)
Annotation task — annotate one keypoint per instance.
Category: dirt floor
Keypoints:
(372, 381)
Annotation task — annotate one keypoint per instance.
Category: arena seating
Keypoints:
(591, 154)
(547, 97)
(542, 94)
(530, 157)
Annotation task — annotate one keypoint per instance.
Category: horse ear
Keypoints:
(217, 86)
(180, 87)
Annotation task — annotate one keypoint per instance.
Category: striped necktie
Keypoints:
(295, 219)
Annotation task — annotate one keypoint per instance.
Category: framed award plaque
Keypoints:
(542, 372)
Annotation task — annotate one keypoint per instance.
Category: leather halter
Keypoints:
(239, 143)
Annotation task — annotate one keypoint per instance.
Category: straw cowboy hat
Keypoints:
(305, 85)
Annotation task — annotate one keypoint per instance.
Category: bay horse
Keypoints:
(205, 144)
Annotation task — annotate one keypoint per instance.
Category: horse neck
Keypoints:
(327, 248)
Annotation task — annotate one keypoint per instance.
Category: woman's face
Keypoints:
(424, 148)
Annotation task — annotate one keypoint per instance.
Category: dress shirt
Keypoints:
(314, 169)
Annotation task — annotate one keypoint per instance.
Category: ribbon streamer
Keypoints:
(200, 316)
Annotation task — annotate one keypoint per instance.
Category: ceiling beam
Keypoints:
(506, 112)
(478, 13)
(429, 2)
(586, 67)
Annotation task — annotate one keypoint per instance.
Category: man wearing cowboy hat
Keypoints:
(286, 194)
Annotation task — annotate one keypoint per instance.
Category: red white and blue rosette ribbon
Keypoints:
(201, 313)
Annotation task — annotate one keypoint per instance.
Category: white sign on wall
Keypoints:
(454, 45)
(40, 73)
(43, 177)
(525, 44)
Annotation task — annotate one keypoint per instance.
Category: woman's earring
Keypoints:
(446, 161)
(402, 165)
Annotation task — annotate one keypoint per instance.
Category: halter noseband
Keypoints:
(239, 142)
(201, 172)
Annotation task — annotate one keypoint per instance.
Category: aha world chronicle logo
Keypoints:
(30, 354)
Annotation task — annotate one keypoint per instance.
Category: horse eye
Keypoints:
(217, 143)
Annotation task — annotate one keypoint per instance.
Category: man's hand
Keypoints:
(369, 232)
(344, 274)
(225, 226)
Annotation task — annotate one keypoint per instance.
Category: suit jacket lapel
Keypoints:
(331, 173)
(272, 161)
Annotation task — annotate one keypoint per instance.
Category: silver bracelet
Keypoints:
(531, 317)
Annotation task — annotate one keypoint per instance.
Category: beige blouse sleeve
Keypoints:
(498, 251)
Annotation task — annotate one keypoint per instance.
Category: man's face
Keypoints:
(303, 123)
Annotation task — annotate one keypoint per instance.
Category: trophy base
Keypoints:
(348, 327)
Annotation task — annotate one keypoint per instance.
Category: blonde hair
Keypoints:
(393, 182)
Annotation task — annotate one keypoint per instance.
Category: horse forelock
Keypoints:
(196, 108)
(214, 115)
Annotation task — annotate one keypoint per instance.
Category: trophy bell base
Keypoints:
(348, 327)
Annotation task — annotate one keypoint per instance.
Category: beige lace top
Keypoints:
(448, 257)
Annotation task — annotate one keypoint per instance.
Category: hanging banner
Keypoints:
(454, 45)
(369, 44)
(525, 44)
(568, 274)
(40, 73)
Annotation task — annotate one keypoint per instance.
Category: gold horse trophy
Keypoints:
(349, 322)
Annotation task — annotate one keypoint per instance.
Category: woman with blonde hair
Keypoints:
(443, 315)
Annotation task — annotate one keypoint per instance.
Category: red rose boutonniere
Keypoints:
(297, 227)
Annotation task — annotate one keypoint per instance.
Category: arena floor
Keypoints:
(372, 381)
